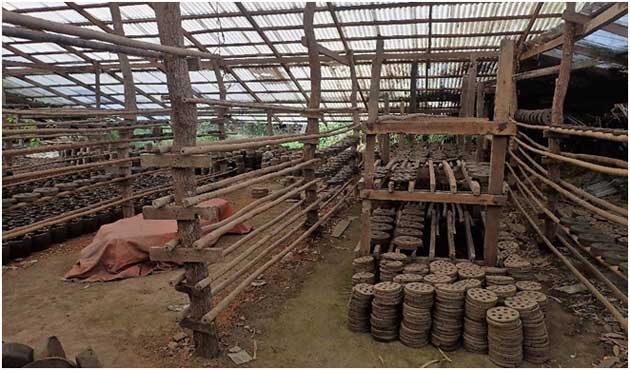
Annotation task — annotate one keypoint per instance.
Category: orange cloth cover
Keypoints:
(121, 249)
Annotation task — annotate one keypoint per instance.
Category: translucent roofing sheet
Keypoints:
(268, 29)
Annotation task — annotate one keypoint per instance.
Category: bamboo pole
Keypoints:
(190, 201)
(577, 162)
(210, 316)
(35, 175)
(622, 138)
(211, 238)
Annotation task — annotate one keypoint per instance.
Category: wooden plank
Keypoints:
(375, 81)
(470, 244)
(434, 222)
(452, 183)
(175, 160)
(366, 210)
(472, 184)
(439, 196)
(450, 234)
(445, 126)
(341, 227)
(180, 213)
(183, 255)
(431, 176)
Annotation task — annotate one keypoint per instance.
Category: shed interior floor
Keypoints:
(297, 319)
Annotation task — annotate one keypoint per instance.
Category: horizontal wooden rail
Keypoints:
(433, 125)
(584, 132)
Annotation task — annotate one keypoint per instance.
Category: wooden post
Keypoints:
(503, 99)
(467, 99)
(122, 150)
(269, 123)
(480, 112)
(312, 126)
(221, 111)
(557, 118)
(370, 146)
(383, 139)
(97, 84)
(184, 125)
(413, 97)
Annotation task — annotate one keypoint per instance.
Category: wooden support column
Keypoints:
(383, 139)
(467, 100)
(557, 117)
(481, 112)
(269, 123)
(184, 125)
(221, 111)
(97, 84)
(122, 150)
(353, 95)
(370, 146)
(312, 126)
(503, 99)
(413, 97)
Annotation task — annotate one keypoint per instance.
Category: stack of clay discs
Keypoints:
(466, 264)
(411, 225)
(389, 269)
(384, 212)
(416, 323)
(378, 237)
(448, 316)
(404, 231)
(528, 285)
(405, 242)
(394, 256)
(467, 284)
(476, 273)
(444, 268)
(434, 279)
(259, 192)
(382, 220)
(503, 291)
(495, 271)
(360, 307)
(385, 317)
(363, 278)
(407, 278)
(363, 264)
(381, 227)
(518, 267)
(505, 336)
(478, 301)
(539, 297)
(416, 268)
(499, 280)
(535, 337)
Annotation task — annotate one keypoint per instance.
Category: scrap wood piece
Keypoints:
(341, 227)
(472, 184)
(469, 239)
(433, 232)
(450, 234)
(452, 183)
(431, 176)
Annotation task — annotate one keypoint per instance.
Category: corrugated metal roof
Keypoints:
(222, 28)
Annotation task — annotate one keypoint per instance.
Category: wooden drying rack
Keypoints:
(498, 129)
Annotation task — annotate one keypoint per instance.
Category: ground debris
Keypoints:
(572, 289)
(240, 357)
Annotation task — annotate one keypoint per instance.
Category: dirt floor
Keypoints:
(295, 317)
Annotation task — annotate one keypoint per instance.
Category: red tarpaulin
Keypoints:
(121, 249)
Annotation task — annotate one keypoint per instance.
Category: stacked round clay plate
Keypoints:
(535, 336)
(259, 192)
(416, 268)
(389, 269)
(539, 297)
(444, 268)
(363, 264)
(499, 280)
(470, 272)
(478, 301)
(528, 285)
(468, 284)
(448, 316)
(385, 317)
(407, 278)
(505, 336)
(363, 277)
(503, 291)
(416, 323)
(518, 267)
(360, 308)
(434, 279)
(393, 256)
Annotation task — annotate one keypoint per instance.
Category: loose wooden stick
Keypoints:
(431, 177)
(609, 306)
(450, 234)
(586, 132)
(210, 316)
(472, 184)
(211, 238)
(190, 201)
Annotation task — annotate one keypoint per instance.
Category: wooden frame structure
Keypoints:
(500, 129)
